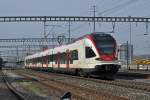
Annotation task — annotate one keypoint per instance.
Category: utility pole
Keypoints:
(127, 55)
(130, 34)
(69, 31)
(44, 27)
(94, 14)
(130, 42)
(45, 44)
(44, 41)
(17, 52)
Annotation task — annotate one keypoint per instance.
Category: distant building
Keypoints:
(126, 53)
(144, 56)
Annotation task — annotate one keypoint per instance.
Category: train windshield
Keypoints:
(104, 43)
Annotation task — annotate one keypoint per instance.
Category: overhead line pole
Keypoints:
(44, 28)
(130, 34)
(127, 55)
(94, 12)
(69, 33)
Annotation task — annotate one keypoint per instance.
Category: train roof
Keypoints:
(94, 33)
(46, 52)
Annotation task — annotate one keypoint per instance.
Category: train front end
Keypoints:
(106, 61)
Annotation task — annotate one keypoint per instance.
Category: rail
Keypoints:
(12, 89)
(126, 84)
(76, 91)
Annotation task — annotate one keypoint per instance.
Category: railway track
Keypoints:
(101, 88)
(10, 88)
(78, 92)
(121, 83)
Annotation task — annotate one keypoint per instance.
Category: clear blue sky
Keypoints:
(77, 8)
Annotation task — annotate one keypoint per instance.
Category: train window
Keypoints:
(61, 58)
(75, 55)
(50, 58)
(55, 58)
(45, 58)
(89, 52)
(27, 61)
(104, 43)
(35, 60)
(40, 59)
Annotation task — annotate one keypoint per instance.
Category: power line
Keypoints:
(76, 28)
(69, 31)
(118, 7)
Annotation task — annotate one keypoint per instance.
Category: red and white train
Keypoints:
(95, 53)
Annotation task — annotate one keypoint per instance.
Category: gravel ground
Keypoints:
(5, 93)
(132, 94)
(32, 89)
(129, 93)
(37, 91)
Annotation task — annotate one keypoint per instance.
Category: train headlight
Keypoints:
(98, 59)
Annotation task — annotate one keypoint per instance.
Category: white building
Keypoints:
(126, 53)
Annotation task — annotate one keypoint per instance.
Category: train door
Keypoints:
(45, 61)
(58, 59)
(42, 61)
(67, 58)
(46, 58)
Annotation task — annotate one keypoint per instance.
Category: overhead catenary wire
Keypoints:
(110, 10)
(118, 7)
(77, 28)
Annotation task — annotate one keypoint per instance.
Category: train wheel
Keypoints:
(110, 76)
(87, 75)
(81, 73)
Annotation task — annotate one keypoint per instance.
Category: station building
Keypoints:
(126, 53)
